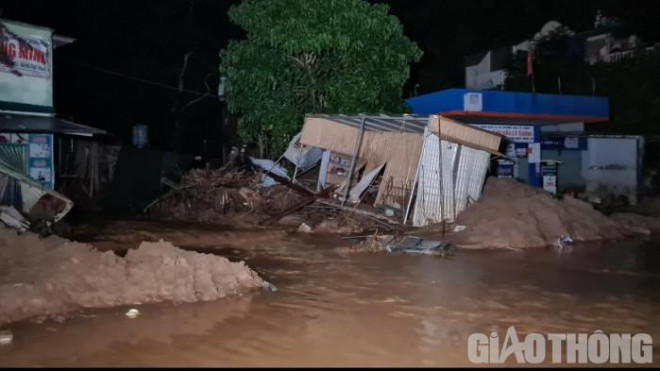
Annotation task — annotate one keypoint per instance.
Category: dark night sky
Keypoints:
(147, 39)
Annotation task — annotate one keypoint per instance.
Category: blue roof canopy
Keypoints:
(511, 106)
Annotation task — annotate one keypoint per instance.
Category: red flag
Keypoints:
(530, 62)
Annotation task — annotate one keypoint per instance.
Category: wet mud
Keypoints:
(377, 309)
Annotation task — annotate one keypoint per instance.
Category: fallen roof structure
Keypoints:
(29, 197)
(11, 123)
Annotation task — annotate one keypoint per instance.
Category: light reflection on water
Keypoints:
(366, 309)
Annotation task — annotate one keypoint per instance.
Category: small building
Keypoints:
(429, 163)
(33, 140)
(540, 127)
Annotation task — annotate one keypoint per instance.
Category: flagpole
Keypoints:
(530, 67)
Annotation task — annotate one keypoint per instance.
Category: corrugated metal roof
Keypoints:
(401, 123)
(44, 124)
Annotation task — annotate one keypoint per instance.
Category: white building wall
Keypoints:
(480, 76)
(611, 165)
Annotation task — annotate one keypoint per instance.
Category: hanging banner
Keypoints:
(515, 133)
(30, 57)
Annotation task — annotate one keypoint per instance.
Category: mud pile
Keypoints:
(47, 277)
(649, 206)
(636, 224)
(515, 215)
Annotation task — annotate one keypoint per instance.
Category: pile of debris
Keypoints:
(26, 204)
(209, 196)
(399, 244)
(242, 196)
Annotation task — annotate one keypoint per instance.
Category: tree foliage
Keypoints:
(312, 56)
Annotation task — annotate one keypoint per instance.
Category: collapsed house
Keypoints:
(373, 171)
(26, 202)
(436, 162)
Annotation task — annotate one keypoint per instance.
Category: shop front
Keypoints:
(537, 128)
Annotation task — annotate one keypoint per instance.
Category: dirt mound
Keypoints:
(515, 215)
(638, 224)
(45, 277)
(649, 206)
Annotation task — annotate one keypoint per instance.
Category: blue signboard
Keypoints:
(564, 143)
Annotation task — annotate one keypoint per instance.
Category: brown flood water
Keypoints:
(364, 309)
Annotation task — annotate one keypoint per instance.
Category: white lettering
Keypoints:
(478, 348)
(642, 348)
(599, 347)
(535, 348)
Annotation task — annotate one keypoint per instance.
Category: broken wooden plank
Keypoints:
(361, 212)
(290, 184)
(299, 205)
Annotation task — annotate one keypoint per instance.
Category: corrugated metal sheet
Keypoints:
(44, 124)
(478, 176)
(31, 190)
(466, 163)
(16, 155)
(435, 191)
(445, 197)
(428, 205)
(448, 160)
(402, 124)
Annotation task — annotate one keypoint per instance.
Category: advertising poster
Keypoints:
(41, 160)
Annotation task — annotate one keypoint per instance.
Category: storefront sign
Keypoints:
(534, 153)
(505, 168)
(522, 149)
(41, 160)
(549, 172)
(515, 133)
(473, 102)
(31, 57)
(39, 148)
(564, 143)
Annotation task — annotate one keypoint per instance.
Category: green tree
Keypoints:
(312, 56)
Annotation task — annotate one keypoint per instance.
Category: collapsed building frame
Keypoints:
(441, 182)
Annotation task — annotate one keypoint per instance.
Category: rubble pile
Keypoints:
(54, 276)
(237, 196)
(209, 196)
(203, 195)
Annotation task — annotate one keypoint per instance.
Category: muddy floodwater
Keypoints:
(336, 308)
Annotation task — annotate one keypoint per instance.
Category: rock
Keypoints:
(132, 313)
(304, 228)
(6, 337)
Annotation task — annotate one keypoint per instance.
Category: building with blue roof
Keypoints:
(542, 130)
